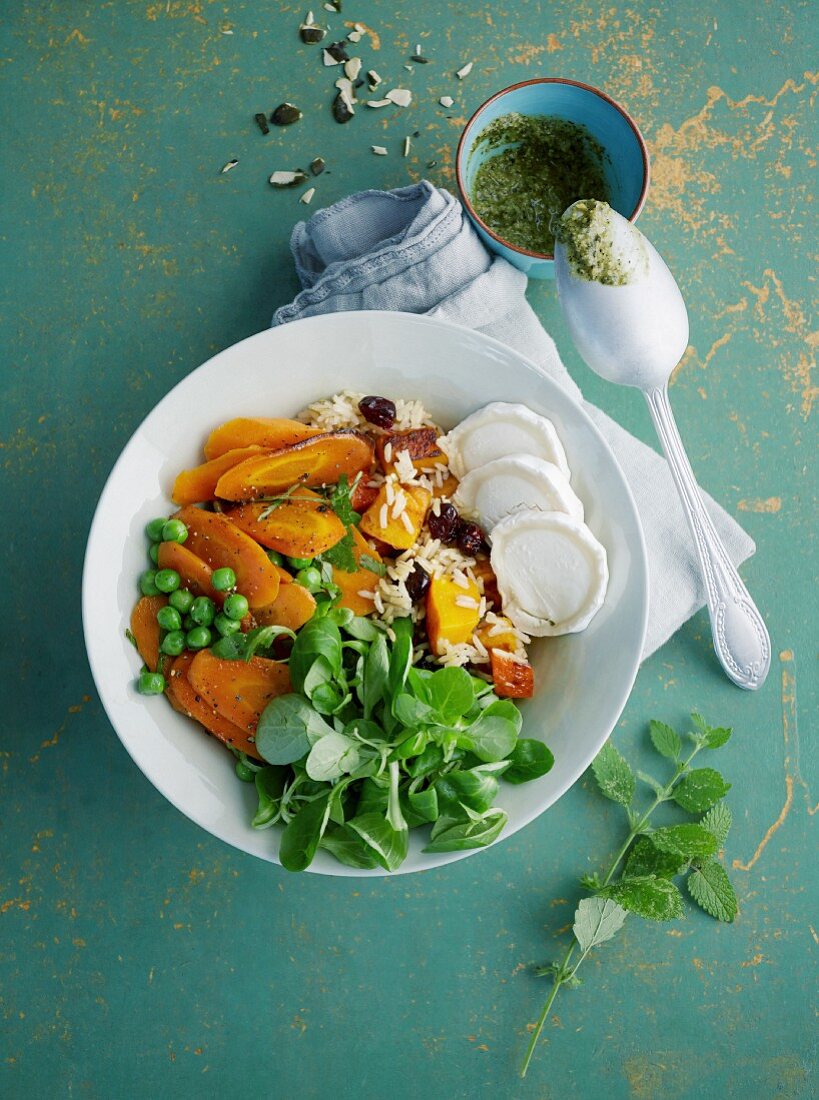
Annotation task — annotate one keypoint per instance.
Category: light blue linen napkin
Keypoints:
(412, 249)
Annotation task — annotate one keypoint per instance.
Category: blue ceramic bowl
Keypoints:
(625, 165)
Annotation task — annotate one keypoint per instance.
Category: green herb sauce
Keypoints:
(600, 246)
(544, 165)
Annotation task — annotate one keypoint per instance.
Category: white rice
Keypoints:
(341, 411)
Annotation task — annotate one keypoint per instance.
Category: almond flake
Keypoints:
(379, 102)
(464, 70)
(307, 197)
(328, 58)
(401, 97)
(353, 67)
(379, 151)
(446, 101)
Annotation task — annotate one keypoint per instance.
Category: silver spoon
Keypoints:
(635, 334)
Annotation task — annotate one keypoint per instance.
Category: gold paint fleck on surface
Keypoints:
(770, 505)
(788, 696)
(755, 961)
(375, 38)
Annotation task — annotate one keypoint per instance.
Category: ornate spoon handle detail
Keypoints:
(741, 639)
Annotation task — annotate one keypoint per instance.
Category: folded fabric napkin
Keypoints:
(413, 250)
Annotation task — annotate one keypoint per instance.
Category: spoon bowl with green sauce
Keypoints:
(534, 148)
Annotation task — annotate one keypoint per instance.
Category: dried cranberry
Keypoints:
(443, 526)
(417, 583)
(378, 410)
(469, 537)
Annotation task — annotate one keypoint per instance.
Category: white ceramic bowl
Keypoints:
(583, 680)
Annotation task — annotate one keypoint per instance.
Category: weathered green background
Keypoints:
(140, 957)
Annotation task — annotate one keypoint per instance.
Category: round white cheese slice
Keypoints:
(500, 429)
(552, 572)
(513, 483)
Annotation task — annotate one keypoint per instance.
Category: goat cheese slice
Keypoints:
(552, 572)
(512, 484)
(499, 429)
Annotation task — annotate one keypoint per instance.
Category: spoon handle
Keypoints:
(741, 639)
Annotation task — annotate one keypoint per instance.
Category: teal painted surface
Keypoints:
(140, 957)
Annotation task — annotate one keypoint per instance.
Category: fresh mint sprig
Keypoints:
(652, 857)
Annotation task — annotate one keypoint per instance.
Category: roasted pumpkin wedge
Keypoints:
(218, 542)
(398, 531)
(497, 635)
(198, 484)
(363, 580)
(320, 460)
(421, 444)
(238, 690)
(293, 606)
(145, 628)
(513, 678)
(453, 612)
(302, 526)
(184, 697)
(248, 431)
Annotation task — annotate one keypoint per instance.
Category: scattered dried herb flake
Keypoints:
(261, 121)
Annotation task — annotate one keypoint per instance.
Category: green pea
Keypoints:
(150, 683)
(309, 578)
(223, 579)
(182, 600)
(154, 529)
(203, 610)
(198, 638)
(188, 623)
(173, 643)
(167, 580)
(244, 772)
(275, 557)
(147, 583)
(153, 552)
(300, 563)
(174, 531)
(225, 625)
(169, 618)
(235, 606)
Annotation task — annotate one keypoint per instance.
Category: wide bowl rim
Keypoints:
(459, 156)
(375, 316)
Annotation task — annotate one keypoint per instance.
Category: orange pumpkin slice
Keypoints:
(248, 431)
(199, 483)
(184, 698)
(145, 628)
(238, 690)
(363, 580)
(318, 461)
(220, 543)
(302, 526)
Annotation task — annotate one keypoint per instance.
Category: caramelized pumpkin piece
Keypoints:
(199, 483)
(320, 460)
(421, 444)
(145, 628)
(453, 612)
(498, 635)
(238, 690)
(256, 431)
(483, 570)
(184, 698)
(219, 543)
(363, 495)
(513, 678)
(446, 490)
(302, 526)
(293, 606)
(398, 531)
(363, 580)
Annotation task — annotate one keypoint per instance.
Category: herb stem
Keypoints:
(562, 975)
